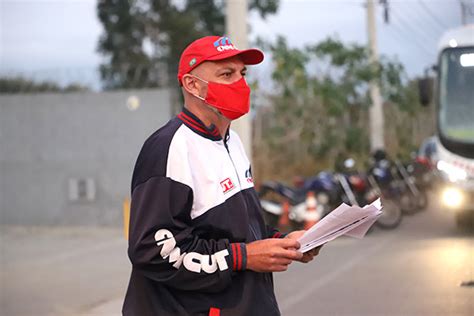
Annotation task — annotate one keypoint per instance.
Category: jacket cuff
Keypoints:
(238, 253)
(279, 235)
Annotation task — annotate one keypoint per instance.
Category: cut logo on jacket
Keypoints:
(192, 261)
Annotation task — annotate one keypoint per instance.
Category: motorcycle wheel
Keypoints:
(422, 200)
(409, 203)
(391, 216)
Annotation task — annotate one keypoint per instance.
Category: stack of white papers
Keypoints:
(347, 220)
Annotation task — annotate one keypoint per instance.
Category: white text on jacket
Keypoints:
(192, 261)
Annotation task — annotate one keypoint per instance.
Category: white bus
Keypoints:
(454, 99)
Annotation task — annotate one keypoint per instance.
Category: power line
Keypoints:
(414, 30)
(399, 37)
(413, 41)
(396, 32)
(430, 13)
(411, 30)
(407, 18)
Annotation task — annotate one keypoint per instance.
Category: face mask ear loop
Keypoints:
(197, 96)
(213, 109)
(200, 79)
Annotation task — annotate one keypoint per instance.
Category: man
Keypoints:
(198, 243)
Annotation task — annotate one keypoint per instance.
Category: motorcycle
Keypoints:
(423, 171)
(362, 189)
(273, 196)
(327, 190)
(418, 199)
(387, 176)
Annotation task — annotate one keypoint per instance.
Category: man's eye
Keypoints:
(227, 74)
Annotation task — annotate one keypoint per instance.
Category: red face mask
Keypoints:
(232, 100)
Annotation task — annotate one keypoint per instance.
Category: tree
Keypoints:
(319, 109)
(126, 64)
(143, 39)
(22, 85)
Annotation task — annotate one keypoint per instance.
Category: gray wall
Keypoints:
(48, 139)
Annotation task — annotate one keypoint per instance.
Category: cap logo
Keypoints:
(192, 62)
(223, 44)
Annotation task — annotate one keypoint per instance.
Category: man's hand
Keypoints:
(272, 255)
(309, 255)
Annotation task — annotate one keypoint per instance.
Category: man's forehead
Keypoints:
(214, 65)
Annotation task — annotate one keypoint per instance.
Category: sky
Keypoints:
(58, 38)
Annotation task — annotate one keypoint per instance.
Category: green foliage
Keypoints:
(126, 65)
(166, 27)
(319, 107)
(22, 85)
(264, 7)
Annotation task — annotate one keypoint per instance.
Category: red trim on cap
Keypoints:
(214, 311)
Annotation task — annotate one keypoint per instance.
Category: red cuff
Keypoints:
(279, 235)
(238, 252)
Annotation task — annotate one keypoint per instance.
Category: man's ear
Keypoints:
(190, 84)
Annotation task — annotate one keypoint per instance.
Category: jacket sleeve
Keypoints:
(272, 232)
(165, 248)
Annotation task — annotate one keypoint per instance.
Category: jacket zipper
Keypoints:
(252, 230)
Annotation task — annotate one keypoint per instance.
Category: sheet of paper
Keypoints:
(347, 220)
(326, 238)
(361, 230)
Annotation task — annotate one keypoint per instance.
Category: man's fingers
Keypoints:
(290, 254)
(315, 251)
(289, 243)
(309, 256)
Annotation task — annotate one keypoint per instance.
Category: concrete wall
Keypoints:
(49, 141)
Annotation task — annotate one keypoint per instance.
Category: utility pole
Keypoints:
(236, 29)
(466, 11)
(463, 12)
(376, 119)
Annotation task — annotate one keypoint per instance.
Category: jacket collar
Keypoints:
(196, 125)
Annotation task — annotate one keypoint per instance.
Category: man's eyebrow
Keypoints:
(221, 70)
(232, 69)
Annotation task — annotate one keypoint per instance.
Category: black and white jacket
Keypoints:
(193, 209)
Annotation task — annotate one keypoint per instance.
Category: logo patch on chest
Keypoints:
(248, 175)
(227, 185)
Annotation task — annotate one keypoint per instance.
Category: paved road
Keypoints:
(61, 271)
(414, 270)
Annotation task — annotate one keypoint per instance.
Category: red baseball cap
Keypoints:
(214, 48)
